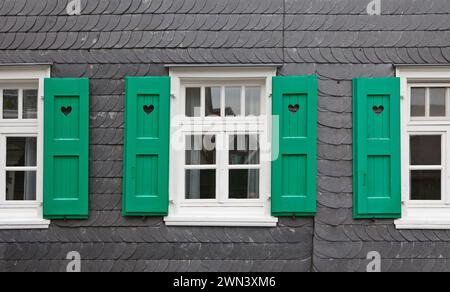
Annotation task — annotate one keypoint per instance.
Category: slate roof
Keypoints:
(334, 39)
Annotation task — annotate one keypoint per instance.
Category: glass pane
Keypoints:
(30, 100)
(252, 101)
(426, 185)
(244, 184)
(232, 101)
(21, 151)
(20, 185)
(244, 149)
(200, 150)
(212, 101)
(10, 104)
(200, 184)
(426, 150)
(193, 105)
(437, 102)
(417, 102)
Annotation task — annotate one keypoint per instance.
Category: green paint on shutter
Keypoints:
(146, 162)
(376, 148)
(66, 148)
(294, 169)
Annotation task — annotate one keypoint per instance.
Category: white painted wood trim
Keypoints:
(423, 214)
(26, 215)
(220, 212)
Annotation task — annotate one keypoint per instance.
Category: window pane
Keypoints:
(417, 102)
(232, 101)
(193, 105)
(252, 101)
(200, 150)
(212, 101)
(30, 100)
(244, 184)
(244, 149)
(437, 102)
(10, 104)
(201, 184)
(426, 150)
(21, 151)
(20, 185)
(426, 185)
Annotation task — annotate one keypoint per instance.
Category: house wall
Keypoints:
(334, 39)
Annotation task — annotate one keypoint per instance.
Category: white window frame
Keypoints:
(424, 214)
(23, 214)
(220, 211)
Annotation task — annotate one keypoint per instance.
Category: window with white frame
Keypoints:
(425, 140)
(220, 147)
(21, 147)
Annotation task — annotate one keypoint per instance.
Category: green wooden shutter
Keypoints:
(147, 130)
(376, 161)
(66, 148)
(294, 170)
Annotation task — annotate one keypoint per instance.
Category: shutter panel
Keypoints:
(146, 163)
(294, 171)
(376, 130)
(66, 148)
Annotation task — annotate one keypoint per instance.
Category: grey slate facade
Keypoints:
(334, 39)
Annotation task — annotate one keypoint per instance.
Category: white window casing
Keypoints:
(221, 210)
(23, 214)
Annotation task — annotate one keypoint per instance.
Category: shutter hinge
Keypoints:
(270, 95)
(402, 97)
(42, 97)
(173, 96)
(171, 202)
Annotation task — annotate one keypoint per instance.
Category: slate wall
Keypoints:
(334, 39)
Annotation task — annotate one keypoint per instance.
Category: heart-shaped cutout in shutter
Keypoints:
(294, 108)
(66, 110)
(148, 109)
(378, 110)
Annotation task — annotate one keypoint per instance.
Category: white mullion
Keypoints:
(1, 103)
(200, 167)
(447, 102)
(222, 102)
(220, 172)
(427, 102)
(21, 168)
(244, 166)
(20, 104)
(243, 109)
(203, 101)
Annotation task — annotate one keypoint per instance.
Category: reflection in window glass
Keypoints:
(233, 101)
(426, 185)
(244, 149)
(252, 101)
(30, 100)
(193, 102)
(21, 185)
(418, 102)
(10, 104)
(244, 184)
(200, 184)
(212, 101)
(200, 150)
(426, 150)
(437, 102)
(21, 151)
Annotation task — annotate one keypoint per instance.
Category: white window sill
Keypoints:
(24, 224)
(221, 222)
(431, 224)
